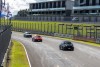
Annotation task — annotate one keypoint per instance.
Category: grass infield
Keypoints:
(18, 56)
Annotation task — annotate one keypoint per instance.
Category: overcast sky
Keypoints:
(16, 5)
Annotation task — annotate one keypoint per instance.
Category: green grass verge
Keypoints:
(18, 56)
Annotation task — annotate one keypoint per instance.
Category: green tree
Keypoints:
(22, 13)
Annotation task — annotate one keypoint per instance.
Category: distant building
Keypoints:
(86, 7)
(51, 10)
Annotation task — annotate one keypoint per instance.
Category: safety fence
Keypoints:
(5, 36)
(82, 32)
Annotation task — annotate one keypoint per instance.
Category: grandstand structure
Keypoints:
(87, 7)
(87, 10)
(56, 10)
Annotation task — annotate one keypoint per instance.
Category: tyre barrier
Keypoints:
(62, 35)
(48, 34)
(56, 34)
(98, 40)
(45, 33)
(51, 34)
(42, 33)
(33, 32)
(69, 36)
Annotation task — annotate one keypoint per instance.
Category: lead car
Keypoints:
(66, 45)
(37, 38)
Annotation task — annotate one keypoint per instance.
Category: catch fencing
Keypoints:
(82, 32)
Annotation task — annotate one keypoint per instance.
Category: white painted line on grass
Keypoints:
(26, 54)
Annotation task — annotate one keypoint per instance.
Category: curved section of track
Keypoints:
(47, 53)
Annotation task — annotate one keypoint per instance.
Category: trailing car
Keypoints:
(66, 45)
(37, 38)
(27, 34)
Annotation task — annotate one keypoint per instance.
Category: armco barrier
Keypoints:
(6, 57)
(5, 37)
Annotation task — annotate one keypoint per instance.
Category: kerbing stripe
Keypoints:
(26, 54)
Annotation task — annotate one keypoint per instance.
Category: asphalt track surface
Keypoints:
(47, 53)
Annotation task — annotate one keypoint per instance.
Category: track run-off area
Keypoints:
(47, 53)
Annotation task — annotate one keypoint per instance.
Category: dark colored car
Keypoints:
(27, 35)
(37, 38)
(66, 45)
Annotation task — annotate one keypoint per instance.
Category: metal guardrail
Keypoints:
(5, 36)
(6, 57)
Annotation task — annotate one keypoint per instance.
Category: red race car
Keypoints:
(37, 38)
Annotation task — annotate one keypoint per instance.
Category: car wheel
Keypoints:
(24, 35)
(41, 41)
(34, 40)
(60, 48)
(72, 49)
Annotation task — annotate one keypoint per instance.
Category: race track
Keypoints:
(47, 53)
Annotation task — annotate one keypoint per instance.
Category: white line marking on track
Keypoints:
(57, 65)
(26, 54)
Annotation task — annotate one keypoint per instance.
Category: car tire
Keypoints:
(34, 40)
(60, 48)
(24, 35)
(41, 41)
(72, 49)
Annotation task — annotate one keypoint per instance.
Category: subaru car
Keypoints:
(66, 45)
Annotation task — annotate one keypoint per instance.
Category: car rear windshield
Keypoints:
(67, 42)
(27, 32)
(38, 36)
